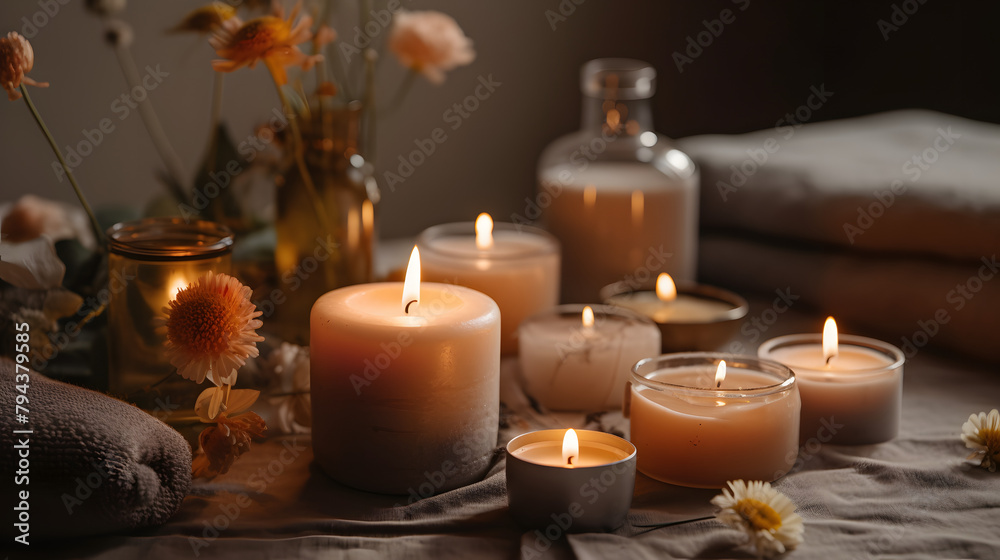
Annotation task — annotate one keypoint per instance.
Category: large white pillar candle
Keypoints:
(576, 357)
(697, 423)
(517, 266)
(852, 390)
(405, 389)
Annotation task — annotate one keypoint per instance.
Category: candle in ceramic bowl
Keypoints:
(697, 422)
(405, 384)
(851, 386)
(517, 266)
(576, 357)
(690, 316)
(570, 480)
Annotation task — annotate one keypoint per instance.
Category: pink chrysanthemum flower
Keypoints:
(211, 329)
(430, 43)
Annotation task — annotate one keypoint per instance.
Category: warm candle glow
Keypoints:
(484, 232)
(411, 284)
(720, 373)
(830, 349)
(588, 317)
(666, 290)
(571, 447)
(177, 284)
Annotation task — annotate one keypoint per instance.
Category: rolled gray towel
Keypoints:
(94, 464)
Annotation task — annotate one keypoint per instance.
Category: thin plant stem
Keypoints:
(98, 232)
(300, 161)
(369, 96)
(404, 89)
(152, 123)
(217, 87)
(655, 526)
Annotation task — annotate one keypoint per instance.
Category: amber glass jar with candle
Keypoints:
(621, 199)
(149, 261)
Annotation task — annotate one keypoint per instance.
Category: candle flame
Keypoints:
(484, 232)
(411, 284)
(588, 317)
(571, 447)
(666, 290)
(830, 343)
(720, 373)
(179, 283)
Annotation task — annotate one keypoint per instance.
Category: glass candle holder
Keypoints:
(692, 429)
(856, 398)
(519, 270)
(149, 261)
(567, 364)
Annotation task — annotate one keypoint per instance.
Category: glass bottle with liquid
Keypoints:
(622, 199)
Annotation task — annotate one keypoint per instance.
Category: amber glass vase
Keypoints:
(321, 249)
(149, 261)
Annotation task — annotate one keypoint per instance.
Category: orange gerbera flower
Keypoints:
(268, 38)
(16, 60)
(206, 18)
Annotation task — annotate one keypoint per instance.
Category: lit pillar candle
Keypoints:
(576, 357)
(572, 480)
(851, 386)
(696, 422)
(690, 316)
(405, 385)
(516, 265)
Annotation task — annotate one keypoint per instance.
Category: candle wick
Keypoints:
(408, 304)
(828, 358)
(718, 385)
(569, 460)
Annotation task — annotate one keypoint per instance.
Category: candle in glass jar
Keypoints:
(516, 265)
(697, 422)
(405, 382)
(577, 357)
(851, 386)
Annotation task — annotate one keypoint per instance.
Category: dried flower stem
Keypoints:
(98, 232)
(404, 89)
(216, 119)
(175, 170)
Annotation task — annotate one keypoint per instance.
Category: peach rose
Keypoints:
(430, 43)
(16, 59)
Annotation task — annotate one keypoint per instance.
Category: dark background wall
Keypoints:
(942, 55)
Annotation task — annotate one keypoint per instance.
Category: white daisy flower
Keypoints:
(767, 516)
(981, 433)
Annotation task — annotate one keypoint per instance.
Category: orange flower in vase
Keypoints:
(269, 38)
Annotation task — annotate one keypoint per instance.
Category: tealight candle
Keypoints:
(851, 386)
(699, 419)
(690, 316)
(516, 265)
(405, 384)
(570, 480)
(576, 357)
